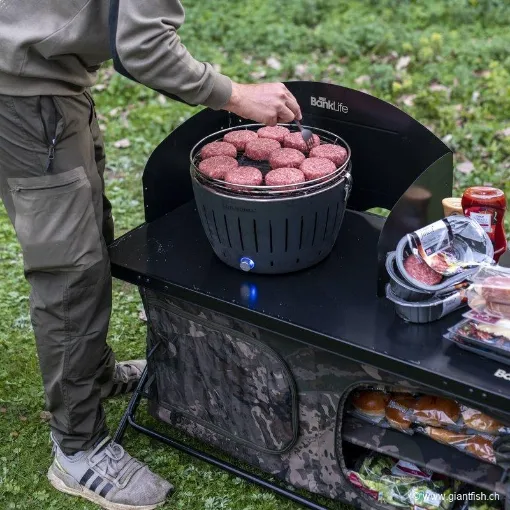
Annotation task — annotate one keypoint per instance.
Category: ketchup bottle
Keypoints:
(487, 206)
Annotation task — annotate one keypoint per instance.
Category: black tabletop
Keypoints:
(333, 305)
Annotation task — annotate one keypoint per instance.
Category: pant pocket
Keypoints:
(55, 221)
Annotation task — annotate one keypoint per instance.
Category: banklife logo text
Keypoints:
(329, 104)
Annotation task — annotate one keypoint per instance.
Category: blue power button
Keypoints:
(246, 264)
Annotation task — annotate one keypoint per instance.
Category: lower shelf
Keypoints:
(424, 452)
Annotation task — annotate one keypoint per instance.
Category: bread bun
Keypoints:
(481, 447)
(370, 403)
(436, 411)
(396, 411)
(446, 436)
(476, 420)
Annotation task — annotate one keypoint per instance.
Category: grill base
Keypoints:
(278, 236)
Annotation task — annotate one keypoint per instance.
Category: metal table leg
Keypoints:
(129, 420)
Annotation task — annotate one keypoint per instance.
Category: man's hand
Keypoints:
(268, 103)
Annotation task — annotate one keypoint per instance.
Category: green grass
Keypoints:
(445, 62)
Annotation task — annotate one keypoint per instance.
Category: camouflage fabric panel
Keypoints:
(223, 380)
(311, 464)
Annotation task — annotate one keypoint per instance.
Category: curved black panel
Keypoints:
(390, 149)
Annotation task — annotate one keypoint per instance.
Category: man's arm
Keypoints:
(148, 47)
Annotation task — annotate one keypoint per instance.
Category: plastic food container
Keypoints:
(480, 351)
(399, 286)
(482, 336)
(430, 310)
(492, 283)
(468, 244)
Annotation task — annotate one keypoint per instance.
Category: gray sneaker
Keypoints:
(125, 378)
(109, 477)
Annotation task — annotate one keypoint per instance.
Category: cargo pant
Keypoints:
(51, 182)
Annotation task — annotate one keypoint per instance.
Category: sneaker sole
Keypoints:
(85, 493)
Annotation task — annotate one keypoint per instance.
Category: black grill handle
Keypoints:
(113, 19)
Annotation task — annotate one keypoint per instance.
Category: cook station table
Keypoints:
(334, 312)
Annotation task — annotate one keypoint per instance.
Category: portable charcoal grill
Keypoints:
(259, 366)
(271, 229)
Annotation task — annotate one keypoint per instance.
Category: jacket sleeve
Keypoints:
(149, 49)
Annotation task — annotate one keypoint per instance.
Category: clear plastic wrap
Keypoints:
(376, 477)
(469, 346)
(492, 285)
(443, 254)
(452, 245)
(406, 411)
(492, 337)
(479, 446)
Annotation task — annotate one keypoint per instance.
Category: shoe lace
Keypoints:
(125, 372)
(108, 460)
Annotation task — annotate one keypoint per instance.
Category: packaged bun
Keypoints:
(370, 404)
(436, 411)
(398, 412)
(480, 422)
(476, 445)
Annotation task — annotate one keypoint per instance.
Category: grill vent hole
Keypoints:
(336, 216)
(270, 238)
(314, 229)
(240, 233)
(297, 261)
(286, 234)
(255, 235)
(226, 228)
(326, 227)
(272, 263)
(216, 227)
(301, 233)
(207, 221)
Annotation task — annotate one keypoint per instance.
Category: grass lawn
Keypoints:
(447, 63)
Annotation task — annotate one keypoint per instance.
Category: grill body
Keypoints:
(277, 235)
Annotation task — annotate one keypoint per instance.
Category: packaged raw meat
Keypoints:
(476, 348)
(454, 247)
(492, 283)
(492, 337)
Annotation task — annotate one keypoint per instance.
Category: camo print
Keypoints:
(272, 402)
(234, 385)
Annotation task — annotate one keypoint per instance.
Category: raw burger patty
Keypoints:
(286, 158)
(314, 168)
(218, 149)
(217, 166)
(420, 271)
(240, 138)
(284, 176)
(295, 141)
(335, 153)
(247, 175)
(277, 133)
(261, 148)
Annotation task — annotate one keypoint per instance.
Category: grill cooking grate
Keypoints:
(267, 192)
